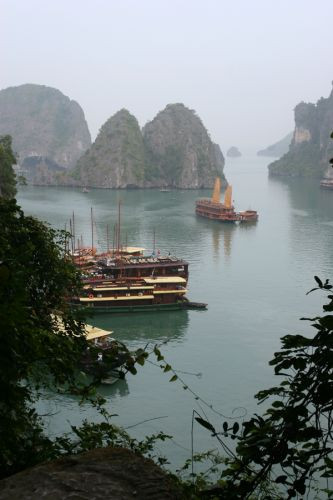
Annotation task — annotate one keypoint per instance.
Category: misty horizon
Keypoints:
(242, 67)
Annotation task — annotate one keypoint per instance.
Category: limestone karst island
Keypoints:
(52, 140)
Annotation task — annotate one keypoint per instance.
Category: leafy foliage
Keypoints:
(90, 436)
(301, 161)
(7, 175)
(308, 158)
(38, 350)
(35, 280)
(280, 454)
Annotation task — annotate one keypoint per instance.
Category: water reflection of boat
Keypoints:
(139, 328)
(120, 389)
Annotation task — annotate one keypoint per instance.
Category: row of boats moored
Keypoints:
(124, 279)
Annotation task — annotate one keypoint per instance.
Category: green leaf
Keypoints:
(173, 378)
(235, 428)
(140, 360)
(281, 479)
(320, 283)
(299, 486)
(205, 424)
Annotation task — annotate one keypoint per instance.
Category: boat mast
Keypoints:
(118, 228)
(65, 237)
(92, 230)
(71, 232)
(74, 229)
(114, 239)
(107, 239)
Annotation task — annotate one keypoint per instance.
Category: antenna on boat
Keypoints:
(216, 191)
(154, 242)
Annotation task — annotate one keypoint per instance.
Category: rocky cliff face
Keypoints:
(279, 148)
(311, 146)
(173, 150)
(179, 152)
(98, 474)
(116, 159)
(45, 125)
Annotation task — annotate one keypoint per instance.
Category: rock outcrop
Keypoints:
(173, 150)
(48, 129)
(311, 146)
(233, 152)
(179, 152)
(99, 474)
(277, 149)
(116, 158)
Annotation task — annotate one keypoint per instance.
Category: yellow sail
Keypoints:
(216, 191)
(228, 197)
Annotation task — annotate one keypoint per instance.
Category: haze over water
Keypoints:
(254, 279)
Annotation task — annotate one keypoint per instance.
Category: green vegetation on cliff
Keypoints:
(116, 158)
(179, 151)
(173, 150)
(47, 127)
(303, 161)
(310, 149)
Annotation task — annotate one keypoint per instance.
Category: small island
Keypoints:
(233, 152)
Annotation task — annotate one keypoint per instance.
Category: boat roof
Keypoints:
(93, 332)
(165, 279)
(132, 249)
(150, 262)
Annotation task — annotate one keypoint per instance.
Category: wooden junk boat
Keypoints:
(213, 208)
(106, 358)
(128, 281)
(125, 280)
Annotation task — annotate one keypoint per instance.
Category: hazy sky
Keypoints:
(242, 65)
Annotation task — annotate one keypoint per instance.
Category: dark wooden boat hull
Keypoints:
(144, 308)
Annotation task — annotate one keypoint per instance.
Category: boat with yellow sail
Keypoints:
(213, 208)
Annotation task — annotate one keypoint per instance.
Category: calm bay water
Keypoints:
(254, 279)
